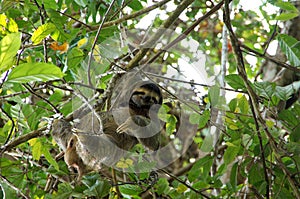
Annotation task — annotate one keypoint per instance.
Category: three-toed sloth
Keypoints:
(94, 143)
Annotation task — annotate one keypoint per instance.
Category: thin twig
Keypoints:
(11, 185)
(134, 15)
(39, 96)
(74, 19)
(184, 183)
(41, 10)
(271, 38)
(192, 83)
(242, 72)
(152, 40)
(185, 33)
(278, 62)
(13, 125)
(95, 41)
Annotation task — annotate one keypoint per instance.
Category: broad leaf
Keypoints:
(9, 46)
(290, 46)
(285, 92)
(135, 5)
(36, 145)
(201, 120)
(200, 169)
(265, 89)
(231, 151)
(42, 32)
(34, 72)
(162, 186)
(233, 175)
(235, 81)
(286, 6)
(208, 143)
(129, 189)
(49, 157)
(287, 16)
(214, 95)
(243, 104)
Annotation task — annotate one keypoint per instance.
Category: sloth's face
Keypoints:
(145, 96)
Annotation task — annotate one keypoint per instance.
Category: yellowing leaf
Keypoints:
(129, 162)
(82, 42)
(36, 148)
(97, 55)
(181, 188)
(42, 32)
(269, 123)
(233, 127)
(8, 25)
(124, 163)
(121, 165)
(62, 48)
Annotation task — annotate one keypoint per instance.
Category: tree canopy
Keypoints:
(229, 76)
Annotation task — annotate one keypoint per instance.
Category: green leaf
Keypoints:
(34, 72)
(135, 5)
(75, 57)
(235, 81)
(207, 144)
(64, 191)
(233, 104)
(132, 190)
(231, 151)
(201, 120)
(171, 124)
(162, 186)
(265, 89)
(200, 169)
(100, 189)
(290, 46)
(243, 104)
(214, 95)
(285, 5)
(287, 16)
(42, 32)
(49, 157)
(233, 175)
(9, 46)
(256, 175)
(295, 134)
(247, 140)
(290, 119)
(82, 3)
(284, 93)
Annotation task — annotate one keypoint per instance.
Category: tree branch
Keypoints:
(134, 15)
(186, 32)
(282, 64)
(21, 139)
(6, 181)
(254, 103)
(149, 44)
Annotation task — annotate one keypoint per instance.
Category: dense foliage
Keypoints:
(56, 54)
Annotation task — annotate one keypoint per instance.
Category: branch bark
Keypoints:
(22, 139)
